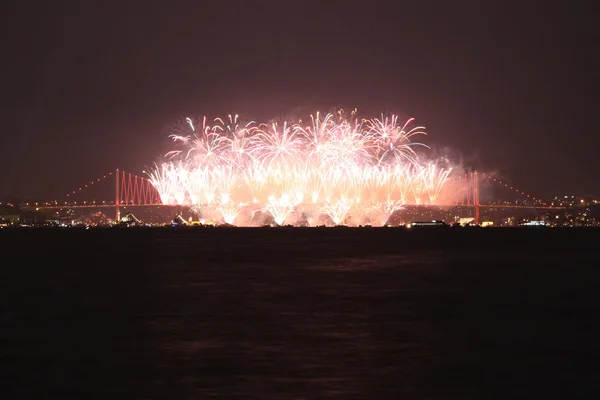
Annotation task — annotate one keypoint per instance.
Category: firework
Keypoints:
(336, 166)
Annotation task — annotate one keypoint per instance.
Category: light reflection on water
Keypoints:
(283, 314)
(325, 326)
(375, 262)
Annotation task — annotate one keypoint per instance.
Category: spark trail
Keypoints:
(335, 168)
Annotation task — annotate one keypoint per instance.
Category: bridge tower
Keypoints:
(117, 197)
(476, 196)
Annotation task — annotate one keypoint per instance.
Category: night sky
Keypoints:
(88, 89)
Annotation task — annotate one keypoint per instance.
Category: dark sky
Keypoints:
(89, 88)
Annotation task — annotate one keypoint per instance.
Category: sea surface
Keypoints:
(277, 313)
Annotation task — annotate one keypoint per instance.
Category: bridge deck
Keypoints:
(411, 205)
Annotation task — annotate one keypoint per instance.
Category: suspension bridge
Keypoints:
(131, 190)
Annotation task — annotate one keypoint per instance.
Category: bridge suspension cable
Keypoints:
(134, 190)
(513, 188)
(85, 186)
(130, 189)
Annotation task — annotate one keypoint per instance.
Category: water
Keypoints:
(299, 313)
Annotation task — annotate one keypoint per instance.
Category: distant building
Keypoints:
(427, 224)
(130, 220)
(9, 215)
(466, 221)
(575, 201)
(18, 216)
(533, 223)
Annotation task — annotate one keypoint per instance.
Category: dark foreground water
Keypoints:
(300, 314)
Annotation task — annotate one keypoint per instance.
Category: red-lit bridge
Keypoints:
(132, 190)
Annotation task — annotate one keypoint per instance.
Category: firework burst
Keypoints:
(336, 166)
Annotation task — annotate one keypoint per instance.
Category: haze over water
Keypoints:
(278, 313)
